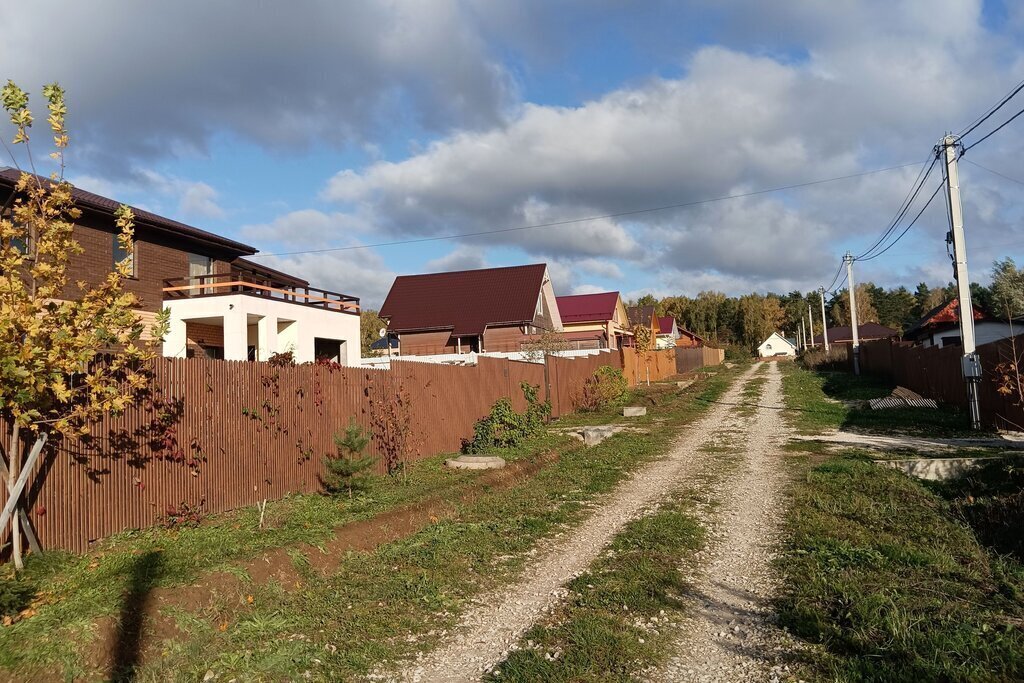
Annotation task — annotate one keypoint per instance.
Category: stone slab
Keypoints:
(935, 469)
(475, 462)
(634, 411)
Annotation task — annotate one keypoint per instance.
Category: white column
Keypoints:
(236, 334)
(176, 339)
(266, 335)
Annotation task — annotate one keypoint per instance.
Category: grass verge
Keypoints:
(882, 573)
(830, 400)
(373, 608)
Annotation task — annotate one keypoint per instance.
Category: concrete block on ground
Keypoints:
(595, 435)
(684, 383)
(634, 411)
(476, 462)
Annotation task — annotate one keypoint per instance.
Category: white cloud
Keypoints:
(359, 273)
(304, 229)
(461, 258)
(147, 80)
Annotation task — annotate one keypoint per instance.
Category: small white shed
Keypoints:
(776, 345)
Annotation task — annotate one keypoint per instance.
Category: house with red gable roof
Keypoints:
(594, 321)
(941, 326)
(490, 309)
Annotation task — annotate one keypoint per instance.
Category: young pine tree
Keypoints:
(349, 470)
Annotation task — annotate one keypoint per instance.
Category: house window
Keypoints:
(120, 254)
(540, 304)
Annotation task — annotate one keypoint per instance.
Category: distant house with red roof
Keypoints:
(644, 316)
(491, 309)
(941, 326)
(594, 321)
(671, 335)
(865, 332)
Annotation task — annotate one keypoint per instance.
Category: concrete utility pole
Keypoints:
(824, 322)
(803, 339)
(852, 288)
(810, 324)
(970, 362)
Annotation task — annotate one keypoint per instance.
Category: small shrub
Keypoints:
(503, 427)
(605, 387)
(837, 359)
(16, 594)
(350, 469)
(182, 516)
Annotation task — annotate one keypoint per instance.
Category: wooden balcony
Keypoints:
(235, 282)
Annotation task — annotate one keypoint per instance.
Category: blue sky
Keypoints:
(308, 125)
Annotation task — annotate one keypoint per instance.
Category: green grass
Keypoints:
(817, 399)
(617, 616)
(892, 586)
(403, 589)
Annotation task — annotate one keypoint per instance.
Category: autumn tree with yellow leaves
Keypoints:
(52, 382)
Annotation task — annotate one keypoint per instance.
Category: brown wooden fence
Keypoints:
(936, 373)
(689, 359)
(223, 435)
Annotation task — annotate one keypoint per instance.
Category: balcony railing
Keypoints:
(236, 282)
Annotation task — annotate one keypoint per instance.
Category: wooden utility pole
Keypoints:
(970, 362)
(852, 289)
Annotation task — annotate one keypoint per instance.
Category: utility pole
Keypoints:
(803, 339)
(824, 322)
(810, 324)
(852, 288)
(970, 362)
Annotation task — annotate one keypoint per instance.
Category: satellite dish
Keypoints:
(382, 332)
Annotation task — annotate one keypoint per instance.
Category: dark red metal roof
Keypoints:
(143, 219)
(464, 301)
(864, 332)
(583, 308)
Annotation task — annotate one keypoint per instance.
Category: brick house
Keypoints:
(594, 321)
(221, 304)
(491, 309)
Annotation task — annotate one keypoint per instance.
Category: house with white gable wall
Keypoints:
(776, 345)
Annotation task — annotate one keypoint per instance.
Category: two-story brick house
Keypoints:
(221, 304)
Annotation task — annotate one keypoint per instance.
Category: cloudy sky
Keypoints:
(308, 126)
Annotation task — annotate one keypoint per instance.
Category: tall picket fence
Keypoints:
(222, 435)
(936, 373)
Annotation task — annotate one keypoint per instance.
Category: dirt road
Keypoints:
(729, 633)
(488, 630)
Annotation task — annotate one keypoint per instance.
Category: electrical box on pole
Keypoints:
(971, 365)
(852, 289)
(824, 322)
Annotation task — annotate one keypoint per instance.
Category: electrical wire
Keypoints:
(990, 133)
(1001, 175)
(571, 221)
(836, 276)
(984, 117)
(909, 226)
(915, 189)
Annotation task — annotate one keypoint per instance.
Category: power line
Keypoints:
(906, 229)
(588, 218)
(991, 133)
(984, 117)
(836, 276)
(915, 189)
(1001, 175)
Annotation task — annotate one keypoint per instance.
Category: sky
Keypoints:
(313, 129)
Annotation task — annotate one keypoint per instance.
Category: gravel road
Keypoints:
(728, 633)
(497, 620)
